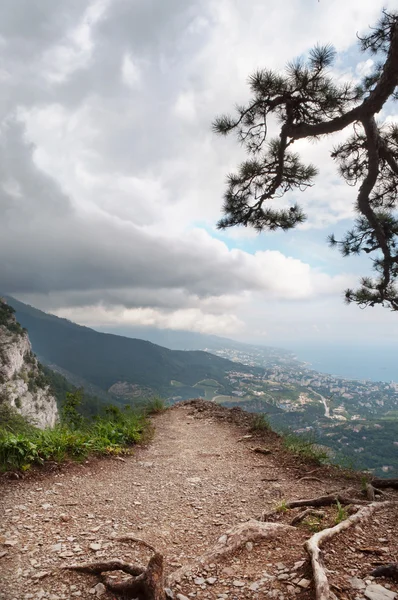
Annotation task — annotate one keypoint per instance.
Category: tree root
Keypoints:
(325, 501)
(312, 546)
(145, 584)
(385, 483)
(310, 478)
(390, 571)
(309, 511)
(231, 540)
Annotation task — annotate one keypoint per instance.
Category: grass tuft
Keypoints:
(155, 406)
(305, 446)
(260, 423)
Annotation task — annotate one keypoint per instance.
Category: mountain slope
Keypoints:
(106, 359)
(23, 386)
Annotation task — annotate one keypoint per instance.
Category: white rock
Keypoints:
(95, 546)
(357, 584)
(100, 589)
(378, 592)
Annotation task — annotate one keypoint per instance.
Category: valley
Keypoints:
(356, 421)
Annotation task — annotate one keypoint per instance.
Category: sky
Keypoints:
(111, 179)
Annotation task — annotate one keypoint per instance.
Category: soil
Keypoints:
(197, 477)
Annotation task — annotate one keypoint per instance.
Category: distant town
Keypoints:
(357, 419)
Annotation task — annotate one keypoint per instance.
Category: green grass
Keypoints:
(341, 514)
(22, 446)
(154, 406)
(304, 446)
(260, 423)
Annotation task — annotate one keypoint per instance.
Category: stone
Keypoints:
(378, 592)
(280, 566)
(181, 597)
(249, 546)
(238, 583)
(40, 575)
(304, 583)
(211, 580)
(357, 584)
(56, 547)
(199, 581)
(253, 587)
(100, 590)
(95, 546)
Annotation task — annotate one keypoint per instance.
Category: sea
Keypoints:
(374, 363)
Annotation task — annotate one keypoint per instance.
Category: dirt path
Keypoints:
(192, 483)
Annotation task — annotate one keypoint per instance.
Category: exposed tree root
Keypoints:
(370, 492)
(385, 483)
(231, 540)
(148, 584)
(328, 500)
(310, 478)
(145, 584)
(324, 501)
(306, 513)
(96, 568)
(390, 571)
(322, 588)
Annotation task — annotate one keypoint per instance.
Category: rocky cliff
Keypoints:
(22, 383)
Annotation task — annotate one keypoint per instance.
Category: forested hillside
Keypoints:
(105, 359)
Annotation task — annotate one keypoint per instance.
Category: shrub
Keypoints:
(22, 445)
(154, 406)
(304, 446)
(260, 423)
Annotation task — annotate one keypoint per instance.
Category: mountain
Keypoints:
(125, 367)
(174, 339)
(23, 385)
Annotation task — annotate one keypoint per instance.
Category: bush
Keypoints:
(260, 423)
(22, 445)
(154, 406)
(304, 446)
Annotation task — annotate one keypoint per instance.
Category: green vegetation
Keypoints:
(314, 524)
(308, 103)
(7, 318)
(155, 406)
(282, 507)
(341, 513)
(304, 446)
(76, 437)
(260, 423)
(60, 387)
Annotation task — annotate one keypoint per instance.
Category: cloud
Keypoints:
(111, 180)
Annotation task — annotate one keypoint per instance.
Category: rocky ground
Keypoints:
(197, 478)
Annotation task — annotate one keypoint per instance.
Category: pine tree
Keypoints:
(309, 104)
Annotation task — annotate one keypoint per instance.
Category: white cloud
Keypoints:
(104, 213)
